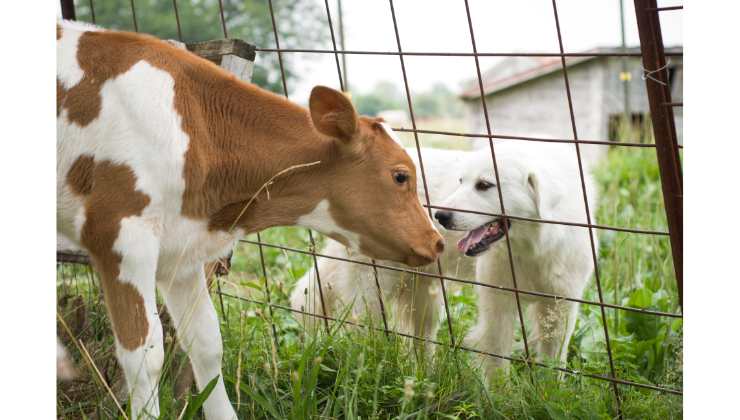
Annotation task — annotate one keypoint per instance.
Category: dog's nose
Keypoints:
(443, 217)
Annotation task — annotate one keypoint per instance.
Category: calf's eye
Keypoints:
(400, 178)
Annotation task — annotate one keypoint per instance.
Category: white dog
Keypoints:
(538, 181)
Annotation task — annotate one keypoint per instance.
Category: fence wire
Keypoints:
(649, 27)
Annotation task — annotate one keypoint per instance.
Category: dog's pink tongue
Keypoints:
(472, 237)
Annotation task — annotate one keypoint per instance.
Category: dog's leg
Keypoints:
(126, 259)
(306, 296)
(196, 322)
(425, 307)
(303, 299)
(494, 331)
(418, 310)
(554, 322)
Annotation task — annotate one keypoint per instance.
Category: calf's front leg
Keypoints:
(126, 259)
(195, 319)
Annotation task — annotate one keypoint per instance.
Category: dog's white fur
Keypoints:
(537, 180)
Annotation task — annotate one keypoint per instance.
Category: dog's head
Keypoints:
(520, 183)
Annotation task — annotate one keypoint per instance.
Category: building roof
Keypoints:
(513, 71)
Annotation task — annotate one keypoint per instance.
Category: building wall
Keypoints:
(614, 88)
(540, 107)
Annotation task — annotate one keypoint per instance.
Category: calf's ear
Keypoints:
(332, 113)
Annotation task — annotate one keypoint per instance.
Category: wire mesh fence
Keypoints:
(666, 146)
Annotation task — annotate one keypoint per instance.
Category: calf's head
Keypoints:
(372, 204)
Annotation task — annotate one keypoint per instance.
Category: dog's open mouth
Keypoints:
(478, 240)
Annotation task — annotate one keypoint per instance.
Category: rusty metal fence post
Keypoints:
(68, 9)
(655, 69)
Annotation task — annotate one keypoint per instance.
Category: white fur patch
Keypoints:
(79, 222)
(392, 134)
(320, 219)
(69, 72)
(189, 243)
(80, 26)
(139, 247)
(136, 128)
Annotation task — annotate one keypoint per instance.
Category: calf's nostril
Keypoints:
(440, 246)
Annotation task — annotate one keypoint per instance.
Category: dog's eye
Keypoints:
(483, 185)
(400, 178)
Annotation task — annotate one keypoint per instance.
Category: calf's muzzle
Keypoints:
(427, 254)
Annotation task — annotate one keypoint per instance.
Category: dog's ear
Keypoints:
(545, 199)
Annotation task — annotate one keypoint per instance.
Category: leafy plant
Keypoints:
(195, 402)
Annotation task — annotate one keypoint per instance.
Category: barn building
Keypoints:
(527, 96)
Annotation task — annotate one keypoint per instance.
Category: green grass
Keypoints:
(360, 373)
(636, 270)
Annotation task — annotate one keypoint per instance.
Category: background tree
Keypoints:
(383, 96)
(438, 101)
(301, 24)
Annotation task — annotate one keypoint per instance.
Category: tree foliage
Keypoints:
(438, 101)
(383, 96)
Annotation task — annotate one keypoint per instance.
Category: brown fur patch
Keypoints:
(113, 196)
(59, 32)
(80, 175)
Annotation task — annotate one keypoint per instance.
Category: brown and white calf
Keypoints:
(159, 154)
